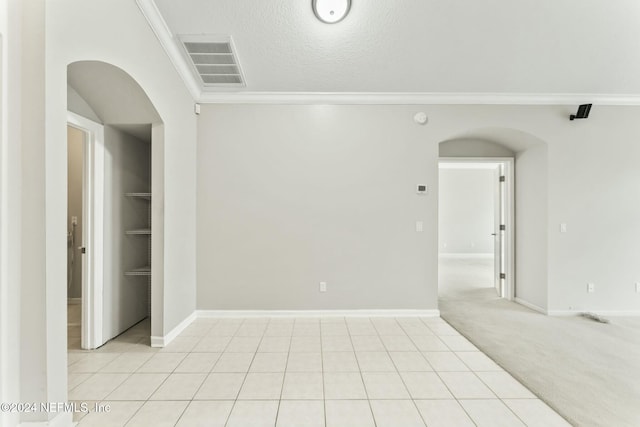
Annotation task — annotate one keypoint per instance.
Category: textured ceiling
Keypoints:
(448, 46)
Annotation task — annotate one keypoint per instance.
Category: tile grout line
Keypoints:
(160, 385)
(235, 334)
(375, 423)
(475, 373)
(400, 375)
(324, 394)
(445, 384)
(284, 375)
(206, 376)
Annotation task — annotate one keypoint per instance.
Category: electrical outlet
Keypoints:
(563, 227)
(419, 226)
(591, 288)
(638, 287)
(323, 286)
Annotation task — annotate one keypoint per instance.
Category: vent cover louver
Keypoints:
(214, 61)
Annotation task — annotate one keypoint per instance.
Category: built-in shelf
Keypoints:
(145, 196)
(142, 271)
(141, 232)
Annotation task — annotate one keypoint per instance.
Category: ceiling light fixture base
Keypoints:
(331, 11)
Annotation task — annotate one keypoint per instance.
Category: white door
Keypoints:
(92, 230)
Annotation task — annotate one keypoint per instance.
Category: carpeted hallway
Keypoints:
(589, 372)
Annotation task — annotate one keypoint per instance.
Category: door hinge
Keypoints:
(503, 276)
(503, 227)
(503, 178)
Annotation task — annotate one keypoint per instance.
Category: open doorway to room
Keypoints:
(475, 227)
(111, 125)
(76, 140)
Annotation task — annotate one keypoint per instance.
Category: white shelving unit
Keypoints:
(144, 270)
(145, 196)
(140, 232)
(144, 232)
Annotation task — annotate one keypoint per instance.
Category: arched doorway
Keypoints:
(529, 155)
(114, 230)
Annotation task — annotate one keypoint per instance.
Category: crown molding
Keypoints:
(166, 38)
(420, 98)
(160, 28)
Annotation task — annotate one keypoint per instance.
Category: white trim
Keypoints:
(93, 230)
(64, 419)
(415, 98)
(207, 314)
(530, 306)
(160, 28)
(465, 255)
(74, 301)
(165, 340)
(613, 313)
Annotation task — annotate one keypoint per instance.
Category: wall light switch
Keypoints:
(422, 189)
(74, 220)
(563, 227)
(638, 287)
(323, 286)
(419, 226)
(591, 288)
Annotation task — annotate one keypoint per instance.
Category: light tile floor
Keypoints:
(300, 372)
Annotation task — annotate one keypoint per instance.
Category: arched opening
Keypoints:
(529, 239)
(114, 216)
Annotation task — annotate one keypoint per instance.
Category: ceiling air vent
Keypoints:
(213, 60)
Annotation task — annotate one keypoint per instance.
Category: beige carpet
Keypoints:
(587, 371)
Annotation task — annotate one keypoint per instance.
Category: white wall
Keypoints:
(594, 188)
(75, 160)
(34, 208)
(127, 170)
(265, 174)
(42, 346)
(531, 223)
(466, 211)
(10, 205)
(293, 195)
(116, 32)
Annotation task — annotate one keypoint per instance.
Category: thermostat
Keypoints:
(422, 189)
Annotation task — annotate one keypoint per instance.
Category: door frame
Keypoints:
(92, 229)
(509, 284)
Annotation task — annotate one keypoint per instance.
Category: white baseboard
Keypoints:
(611, 313)
(531, 306)
(163, 341)
(470, 255)
(64, 419)
(74, 300)
(317, 313)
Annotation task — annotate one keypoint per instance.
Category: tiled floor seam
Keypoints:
(284, 375)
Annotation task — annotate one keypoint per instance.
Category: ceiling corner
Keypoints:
(160, 28)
